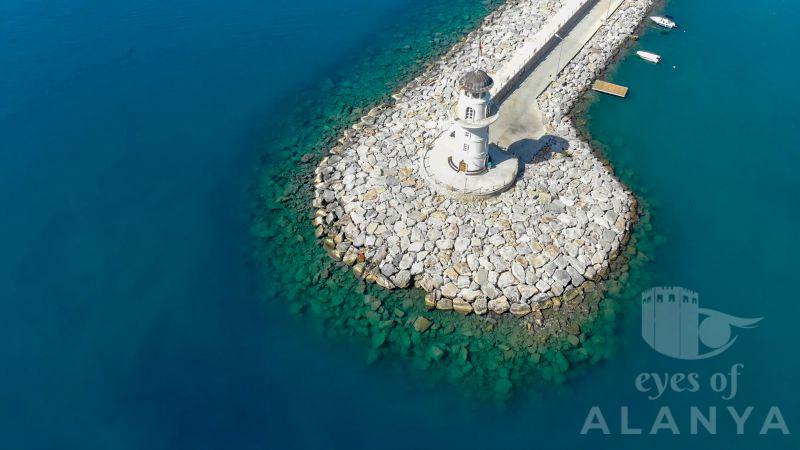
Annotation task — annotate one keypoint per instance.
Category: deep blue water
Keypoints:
(130, 135)
(129, 317)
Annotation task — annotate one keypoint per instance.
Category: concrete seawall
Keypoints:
(539, 245)
(532, 52)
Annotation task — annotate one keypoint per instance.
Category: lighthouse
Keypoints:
(463, 163)
(472, 114)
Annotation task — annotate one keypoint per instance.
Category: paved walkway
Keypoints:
(520, 120)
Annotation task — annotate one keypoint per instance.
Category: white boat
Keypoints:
(664, 21)
(647, 56)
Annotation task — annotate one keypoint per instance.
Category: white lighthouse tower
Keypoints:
(472, 115)
(462, 164)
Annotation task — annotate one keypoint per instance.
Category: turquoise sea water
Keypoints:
(708, 139)
(130, 315)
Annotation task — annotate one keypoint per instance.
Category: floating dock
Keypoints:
(610, 88)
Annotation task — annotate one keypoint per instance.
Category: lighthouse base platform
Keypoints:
(445, 180)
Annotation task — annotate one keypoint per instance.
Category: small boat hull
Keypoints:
(664, 22)
(647, 56)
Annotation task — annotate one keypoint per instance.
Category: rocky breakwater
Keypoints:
(539, 245)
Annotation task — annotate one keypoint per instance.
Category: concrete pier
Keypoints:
(521, 119)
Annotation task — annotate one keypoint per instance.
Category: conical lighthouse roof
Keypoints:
(476, 81)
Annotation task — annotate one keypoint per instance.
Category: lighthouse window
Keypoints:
(672, 298)
(466, 134)
(685, 299)
(466, 147)
(470, 114)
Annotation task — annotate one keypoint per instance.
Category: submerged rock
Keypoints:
(421, 324)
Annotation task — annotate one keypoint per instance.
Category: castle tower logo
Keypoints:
(674, 325)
